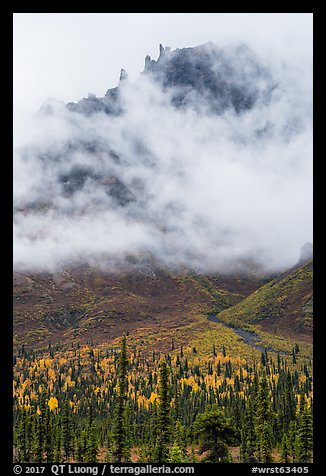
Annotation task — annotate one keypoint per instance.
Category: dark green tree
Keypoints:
(91, 449)
(67, 431)
(40, 432)
(23, 437)
(127, 421)
(264, 420)
(265, 445)
(120, 429)
(58, 443)
(285, 449)
(49, 440)
(163, 415)
(248, 434)
(263, 401)
(215, 433)
(305, 444)
(291, 441)
(82, 446)
(180, 442)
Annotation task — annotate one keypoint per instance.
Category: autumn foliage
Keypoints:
(86, 404)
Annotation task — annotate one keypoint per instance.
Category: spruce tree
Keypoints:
(265, 446)
(305, 444)
(82, 446)
(263, 408)
(264, 420)
(180, 441)
(177, 408)
(285, 449)
(127, 422)
(40, 432)
(215, 433)
(249, 436)
(291, 441)
(218, 370)
(120, 430)
(91, 444)
(22, 437)
(67, 431)
(49, 443)
(163, 415)
(243, 448)
(58, 443)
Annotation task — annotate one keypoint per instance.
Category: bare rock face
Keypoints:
(218, 78)
(92, 104)
(123, 76)
(203, 77)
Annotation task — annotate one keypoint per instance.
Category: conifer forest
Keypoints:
(163, 240)
(81, 404)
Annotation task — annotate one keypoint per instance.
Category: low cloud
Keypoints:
(185, 187)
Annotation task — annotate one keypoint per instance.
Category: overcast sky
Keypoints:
(67, 55)
(259, 193)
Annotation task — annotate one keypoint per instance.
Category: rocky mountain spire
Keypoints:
(123, 76)
(202, 77)
(163, 51)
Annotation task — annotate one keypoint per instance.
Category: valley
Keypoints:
(154, 306)
(160, 311)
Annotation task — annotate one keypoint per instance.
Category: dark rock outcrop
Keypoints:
(213, 77)
(203, 77)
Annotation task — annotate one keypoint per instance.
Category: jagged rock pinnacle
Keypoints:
(123, 75)
(205, 77)
(163, 51)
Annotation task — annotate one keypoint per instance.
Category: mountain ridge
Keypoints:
(206, 76)
(93, 306)
(284, 305)
(89, 176)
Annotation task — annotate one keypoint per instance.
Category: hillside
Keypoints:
(283, 306)
(94, 306)
(159, 310)
(68, 338)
